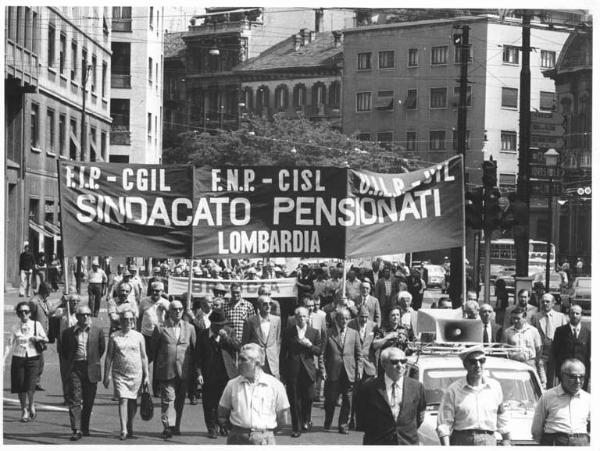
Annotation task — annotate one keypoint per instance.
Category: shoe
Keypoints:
(123, 436)
(327, 426)
(212, 434)
(295, 434)
(76, 436)
(39, 388)
(32, 413)
(223, 431)
(343, 430)
(193, 401)
(166, 433)
(307, 427)
(175, 431)
(351, 425)
(85, 433)
(25, 416)
(130, 432)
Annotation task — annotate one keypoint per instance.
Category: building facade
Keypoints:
(55, 58)
(573, 78)
(137, 84)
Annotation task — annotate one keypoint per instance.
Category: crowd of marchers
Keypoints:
(251, 364)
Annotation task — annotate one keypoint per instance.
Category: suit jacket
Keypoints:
(209, 354)
(539, 321)
(294, 355)
(379, 292)
(565, 346)
(174, 357)
(96, 345)
(340, 355)
(271, 344)
(374, 415)
(373, 307)
(367, 355)
(496, 333)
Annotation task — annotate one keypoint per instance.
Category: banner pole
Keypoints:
(66, 273)
(344, 279)
(191, 274)
(189, 289)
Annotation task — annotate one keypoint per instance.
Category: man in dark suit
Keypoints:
(174, 352)
(366, 332)
(301, 344)
(391, 408)
(82, 347)
(264, 329)
(572, 340)
(492, 332)
(342, 368)
(383, 291)
(370, 302)
(217, 352)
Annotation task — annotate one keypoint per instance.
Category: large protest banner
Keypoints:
(258, 211)
(280, 288)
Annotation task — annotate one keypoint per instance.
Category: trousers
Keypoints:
(172, 399)
(81, 394)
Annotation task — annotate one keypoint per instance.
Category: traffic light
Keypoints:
(474, 208)
(490, 177)
(492, 212)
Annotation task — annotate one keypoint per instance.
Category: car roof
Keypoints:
(435, 361)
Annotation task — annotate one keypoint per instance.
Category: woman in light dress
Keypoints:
(127, 357)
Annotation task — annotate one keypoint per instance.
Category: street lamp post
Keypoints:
(551, 157)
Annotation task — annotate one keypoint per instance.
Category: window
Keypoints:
(439, 55)
(334, 94)
(73, 60)
(151, 16)
(318, 94)
(119, 112)
(104, 75)
(439, 98)
(103, 148)
(121, 65)
(73, 141)
(83, 67)
(36, 32)
(386, 59)
(121, 18)
(411, 141)
(119, 158)
(150, 71)
(546, 101)
(364, 61)
(385, 100)
(299, 96)
(437, 140)
(363, 101)
(62, 134)
(411, 100)
(155, 130)
(156, 73)
(510, 54)
(51, 45)
(34, 208)
(457, 96)
(384, 139)
(508, 141)
(28, 31)
(93, 135)
(548, 58)
(18, 31)
(63, 53)
(510, 97)
(413, 57)
(364, 137)
(149, 127)
(455, 140)
(94, 73)
(507, 182)
(457, 49)
(50, 133)
(35, 125)
(49, 211)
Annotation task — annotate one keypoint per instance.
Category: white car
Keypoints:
(520, 385)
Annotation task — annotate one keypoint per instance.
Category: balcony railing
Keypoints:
(121, 25)
(22, 64)
(120, 81)
(220, 28)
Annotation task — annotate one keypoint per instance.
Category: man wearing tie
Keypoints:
(264, 329)
(491, 330)
(369, 302)
(391, 408)
(546, 321)
(342, 368)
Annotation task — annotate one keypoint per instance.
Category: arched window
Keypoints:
(334, 94)
(318, 94)
(262, 99)
(299, 96)
(281, 97)
(248, 99)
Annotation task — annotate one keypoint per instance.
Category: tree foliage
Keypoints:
(287, 142)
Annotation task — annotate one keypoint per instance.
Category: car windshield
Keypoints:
(583, 283)
(435, 270)
(518, 386)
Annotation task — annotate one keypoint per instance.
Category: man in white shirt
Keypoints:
(491, 330)
(97, 281)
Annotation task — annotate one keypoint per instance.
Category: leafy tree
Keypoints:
(287, 142)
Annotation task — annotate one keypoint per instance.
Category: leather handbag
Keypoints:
(147, 406)
(40, 346)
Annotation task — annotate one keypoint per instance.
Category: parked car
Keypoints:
(556, 288)
(581, 293)
(520, 385)
(436, 276)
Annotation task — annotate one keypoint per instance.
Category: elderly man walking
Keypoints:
(174, 351)
(254, 404)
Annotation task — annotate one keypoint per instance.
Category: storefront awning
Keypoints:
(47, 229)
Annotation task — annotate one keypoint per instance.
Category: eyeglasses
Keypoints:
(23, 311)
(397, 361)
(177, 309)
(156, 291)
(574, 377)
(474, 361)
(83, 314)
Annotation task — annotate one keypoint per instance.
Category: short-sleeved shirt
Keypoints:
(466, 407)
(527, 338)
(98, 276)
(149, 311)
(237, 315)
(21, 333)
(254, 405)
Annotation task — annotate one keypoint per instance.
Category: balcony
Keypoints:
(120, 137)
(123, 25)
(120, 81)
(210, 29)
(22, 65)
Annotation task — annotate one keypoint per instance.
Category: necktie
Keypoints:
(486, 337)
(395, 399)
(343, 336)
(549, 332)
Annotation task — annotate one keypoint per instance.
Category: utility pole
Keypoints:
(521, 234)
(458, 254)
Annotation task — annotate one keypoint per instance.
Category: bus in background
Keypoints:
(503, 256)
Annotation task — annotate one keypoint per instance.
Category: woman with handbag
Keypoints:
(127, 357)
(27, 341)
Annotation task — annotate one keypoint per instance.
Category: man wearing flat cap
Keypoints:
(461, 418)
(369, 302)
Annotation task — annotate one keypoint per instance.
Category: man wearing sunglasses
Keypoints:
(391, 408)
(562, 415)
(82, 347)
(471, 410)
